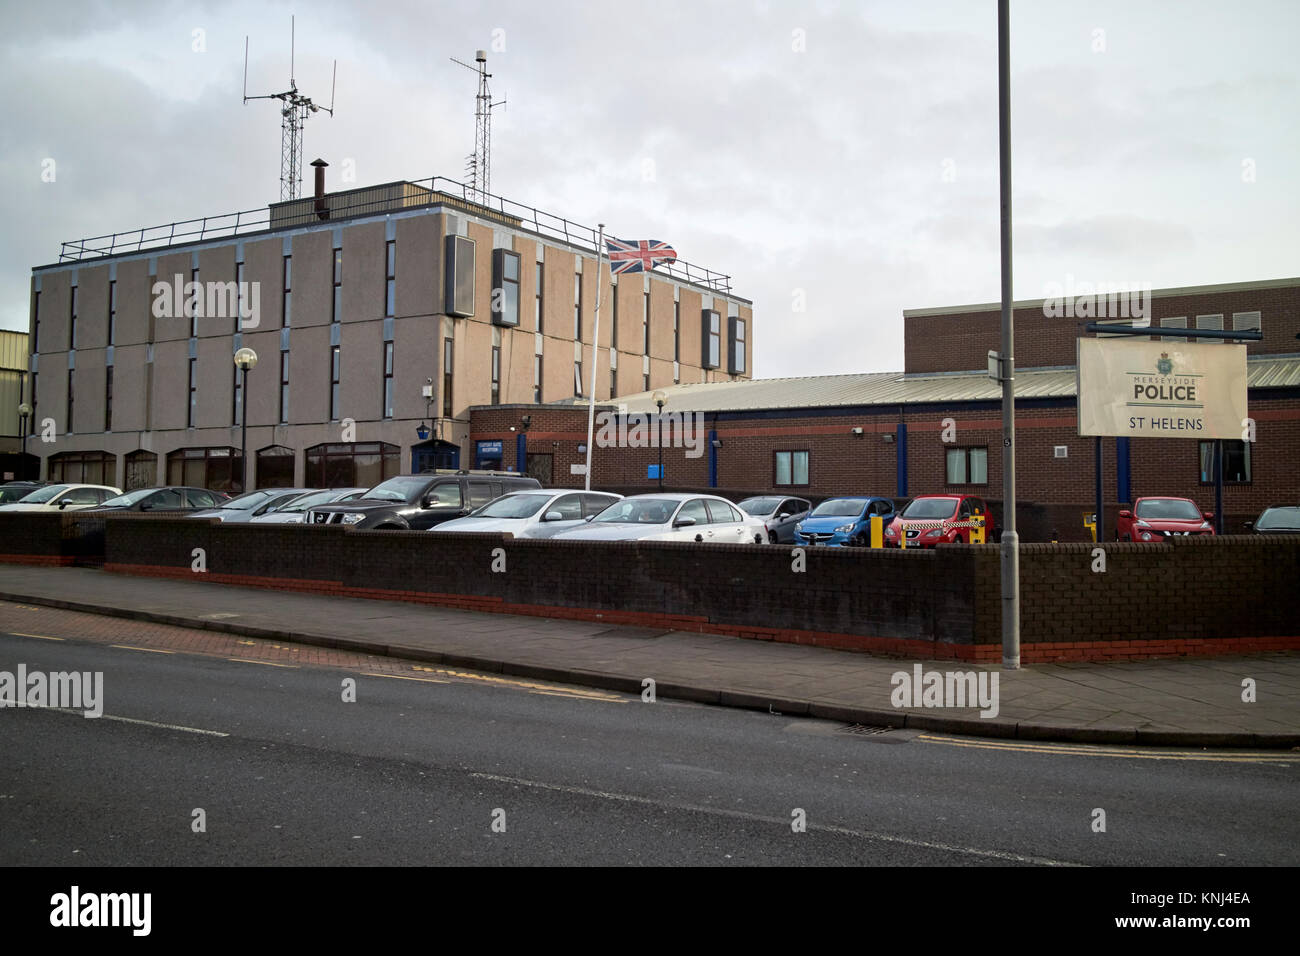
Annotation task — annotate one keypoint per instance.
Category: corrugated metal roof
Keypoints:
(895, 388)
(13, 349)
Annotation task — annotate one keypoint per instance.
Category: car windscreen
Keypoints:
(930, 509)
(840, 508)
(512, 506)
(44, 494)
(401, 488)
(15, 494)
(1279, 519)
(1168, 509)
(246, 502)
(759, 506)
(638, 511)
(130, 498)
(307, 501)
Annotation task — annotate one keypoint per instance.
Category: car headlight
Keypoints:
(844, 528)
(891, 532)
(934, 533)
(1140, 524)
(1205, 526)
(352, 517)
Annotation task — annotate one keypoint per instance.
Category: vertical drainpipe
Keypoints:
(521, 451)
(1122, 471)
(713, 458)
(901, 443)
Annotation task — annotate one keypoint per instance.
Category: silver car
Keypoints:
(670, 517)
(248, 506)
(295, 512)
(779, 515)
(541, 513)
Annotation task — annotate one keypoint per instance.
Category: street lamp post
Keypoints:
(24, 413)
(245, 359)
(660, 397)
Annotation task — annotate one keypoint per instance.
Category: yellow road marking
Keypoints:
(525, 685)
(1089, 750)
(246, 660)
(575, 695)
(39, 637)
(246, 643)
(149, 650)
(422, 680)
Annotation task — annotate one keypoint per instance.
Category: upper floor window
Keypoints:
(505, 287)
(390, 281)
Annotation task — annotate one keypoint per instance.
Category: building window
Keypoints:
(108, 399)
(83, 468)
(36, 322)
(537, 379)
(496, 375)
(237, 407)
(388, 380)
(218, 469)
(577, 378)
(334, 383)
(790, 468)
(112, 312)
(1236, 462)
(194, 393)
(284, 387)
(577, 307)
(287, 311)
(275, 467)
(351, 465)
(505, 287)
(241, 306)
(967, 466)
(195, 299)
(737, 346)
(336, 315)
(72, 320)
(447, 368)
(645, 382)
(677, 331)
(538, 302)
(712, 353)
(613, 328)
(613, 382)
(70, 401)
(645, 324)
(141, 470)
(390, 282)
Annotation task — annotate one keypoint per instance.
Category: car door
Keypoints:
(77, 498)
(964, 513)
(571, 511)
(700, 531)
(168, 499)
(794, 510)
(199, 498)
(450, 501)
(726, 525)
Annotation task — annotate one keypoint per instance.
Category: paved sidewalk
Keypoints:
(1184, 702)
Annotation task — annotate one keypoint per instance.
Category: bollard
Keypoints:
(977, 531)
(877, 531)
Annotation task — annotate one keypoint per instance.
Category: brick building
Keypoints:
(936, 426)
(379, 317)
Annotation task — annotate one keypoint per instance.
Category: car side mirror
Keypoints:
(145, 506)
(426, 501)
(1126, 514)
(588, 518)
(64, 503)
(553, 516)
(782, 516)
(683, 522)
(1248, 525)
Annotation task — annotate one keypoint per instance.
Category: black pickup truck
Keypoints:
(418, 502)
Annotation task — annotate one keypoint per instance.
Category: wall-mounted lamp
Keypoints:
(857, 432)
(716, 443)
(887, 437)
(526, 421)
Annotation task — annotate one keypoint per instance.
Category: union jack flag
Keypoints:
(638, 256)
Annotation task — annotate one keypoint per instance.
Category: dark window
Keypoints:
(275, 467)
(390, 283)
(613, 328)
(645, 323)
(284, 387)
(447, 368)
(613, 383)
(215, 468)
(334, 383)
(537, 379)
(711, 355)
(70, 401)
(736, 347)
(336, 314)
(677, 331)
(538, 302)
(239, 296)
(237, 406)
(351, 465)
(141, 470)
(1236, 462)
(539, 466)
(83, 468)
(577, 308)
(496, 375)
(72, 320)
(108, 399)
(967, 466)
(645, 382)
(112, 312)
(388, 380)
(505, 287)
(577, 379)
(288, 291)
(36, 323)
(790, 468)
(195, 305)
(194, 393)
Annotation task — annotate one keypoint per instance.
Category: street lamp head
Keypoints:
(24, 410)
(660, 398)
(246, 359)
(526, 421)
(422, 432)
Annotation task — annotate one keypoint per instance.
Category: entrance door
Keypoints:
(432, 455)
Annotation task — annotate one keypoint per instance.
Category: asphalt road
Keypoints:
(418, 769)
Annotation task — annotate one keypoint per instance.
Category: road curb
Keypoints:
(723, 697)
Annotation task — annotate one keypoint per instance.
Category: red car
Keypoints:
(1155, 519)
(929, 520)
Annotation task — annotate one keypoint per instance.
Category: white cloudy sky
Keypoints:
(811, 169)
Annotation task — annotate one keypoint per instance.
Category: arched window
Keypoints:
(141, 470)
(275, 467)
(84, 467)
(351, 464)
(217, 469)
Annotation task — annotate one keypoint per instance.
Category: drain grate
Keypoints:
(865, 730)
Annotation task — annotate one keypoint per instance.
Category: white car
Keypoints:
(542, 513)
(63, 498)
(295, 512)
(670, 517)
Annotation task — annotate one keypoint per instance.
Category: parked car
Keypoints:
(543, 513)
(63, 497)
(1277, 519)
(1155, 519)
(837, 522)
(171, 498)
(779, 515)
(418, 502)
(670, 517)
(295, 510)
(955, 512)
(251, 504)
(12, 491)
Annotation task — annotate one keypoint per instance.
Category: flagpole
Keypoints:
(595, 343)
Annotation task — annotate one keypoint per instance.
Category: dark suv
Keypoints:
(418, 502)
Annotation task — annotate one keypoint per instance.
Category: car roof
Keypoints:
(675, 496)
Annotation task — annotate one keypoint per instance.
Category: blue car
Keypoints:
(838, 522)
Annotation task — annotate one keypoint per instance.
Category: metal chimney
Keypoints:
(322, 211)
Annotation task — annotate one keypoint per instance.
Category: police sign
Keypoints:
(1143, 389)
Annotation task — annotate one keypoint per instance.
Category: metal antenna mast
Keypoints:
(479, 164)
(293, 116)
